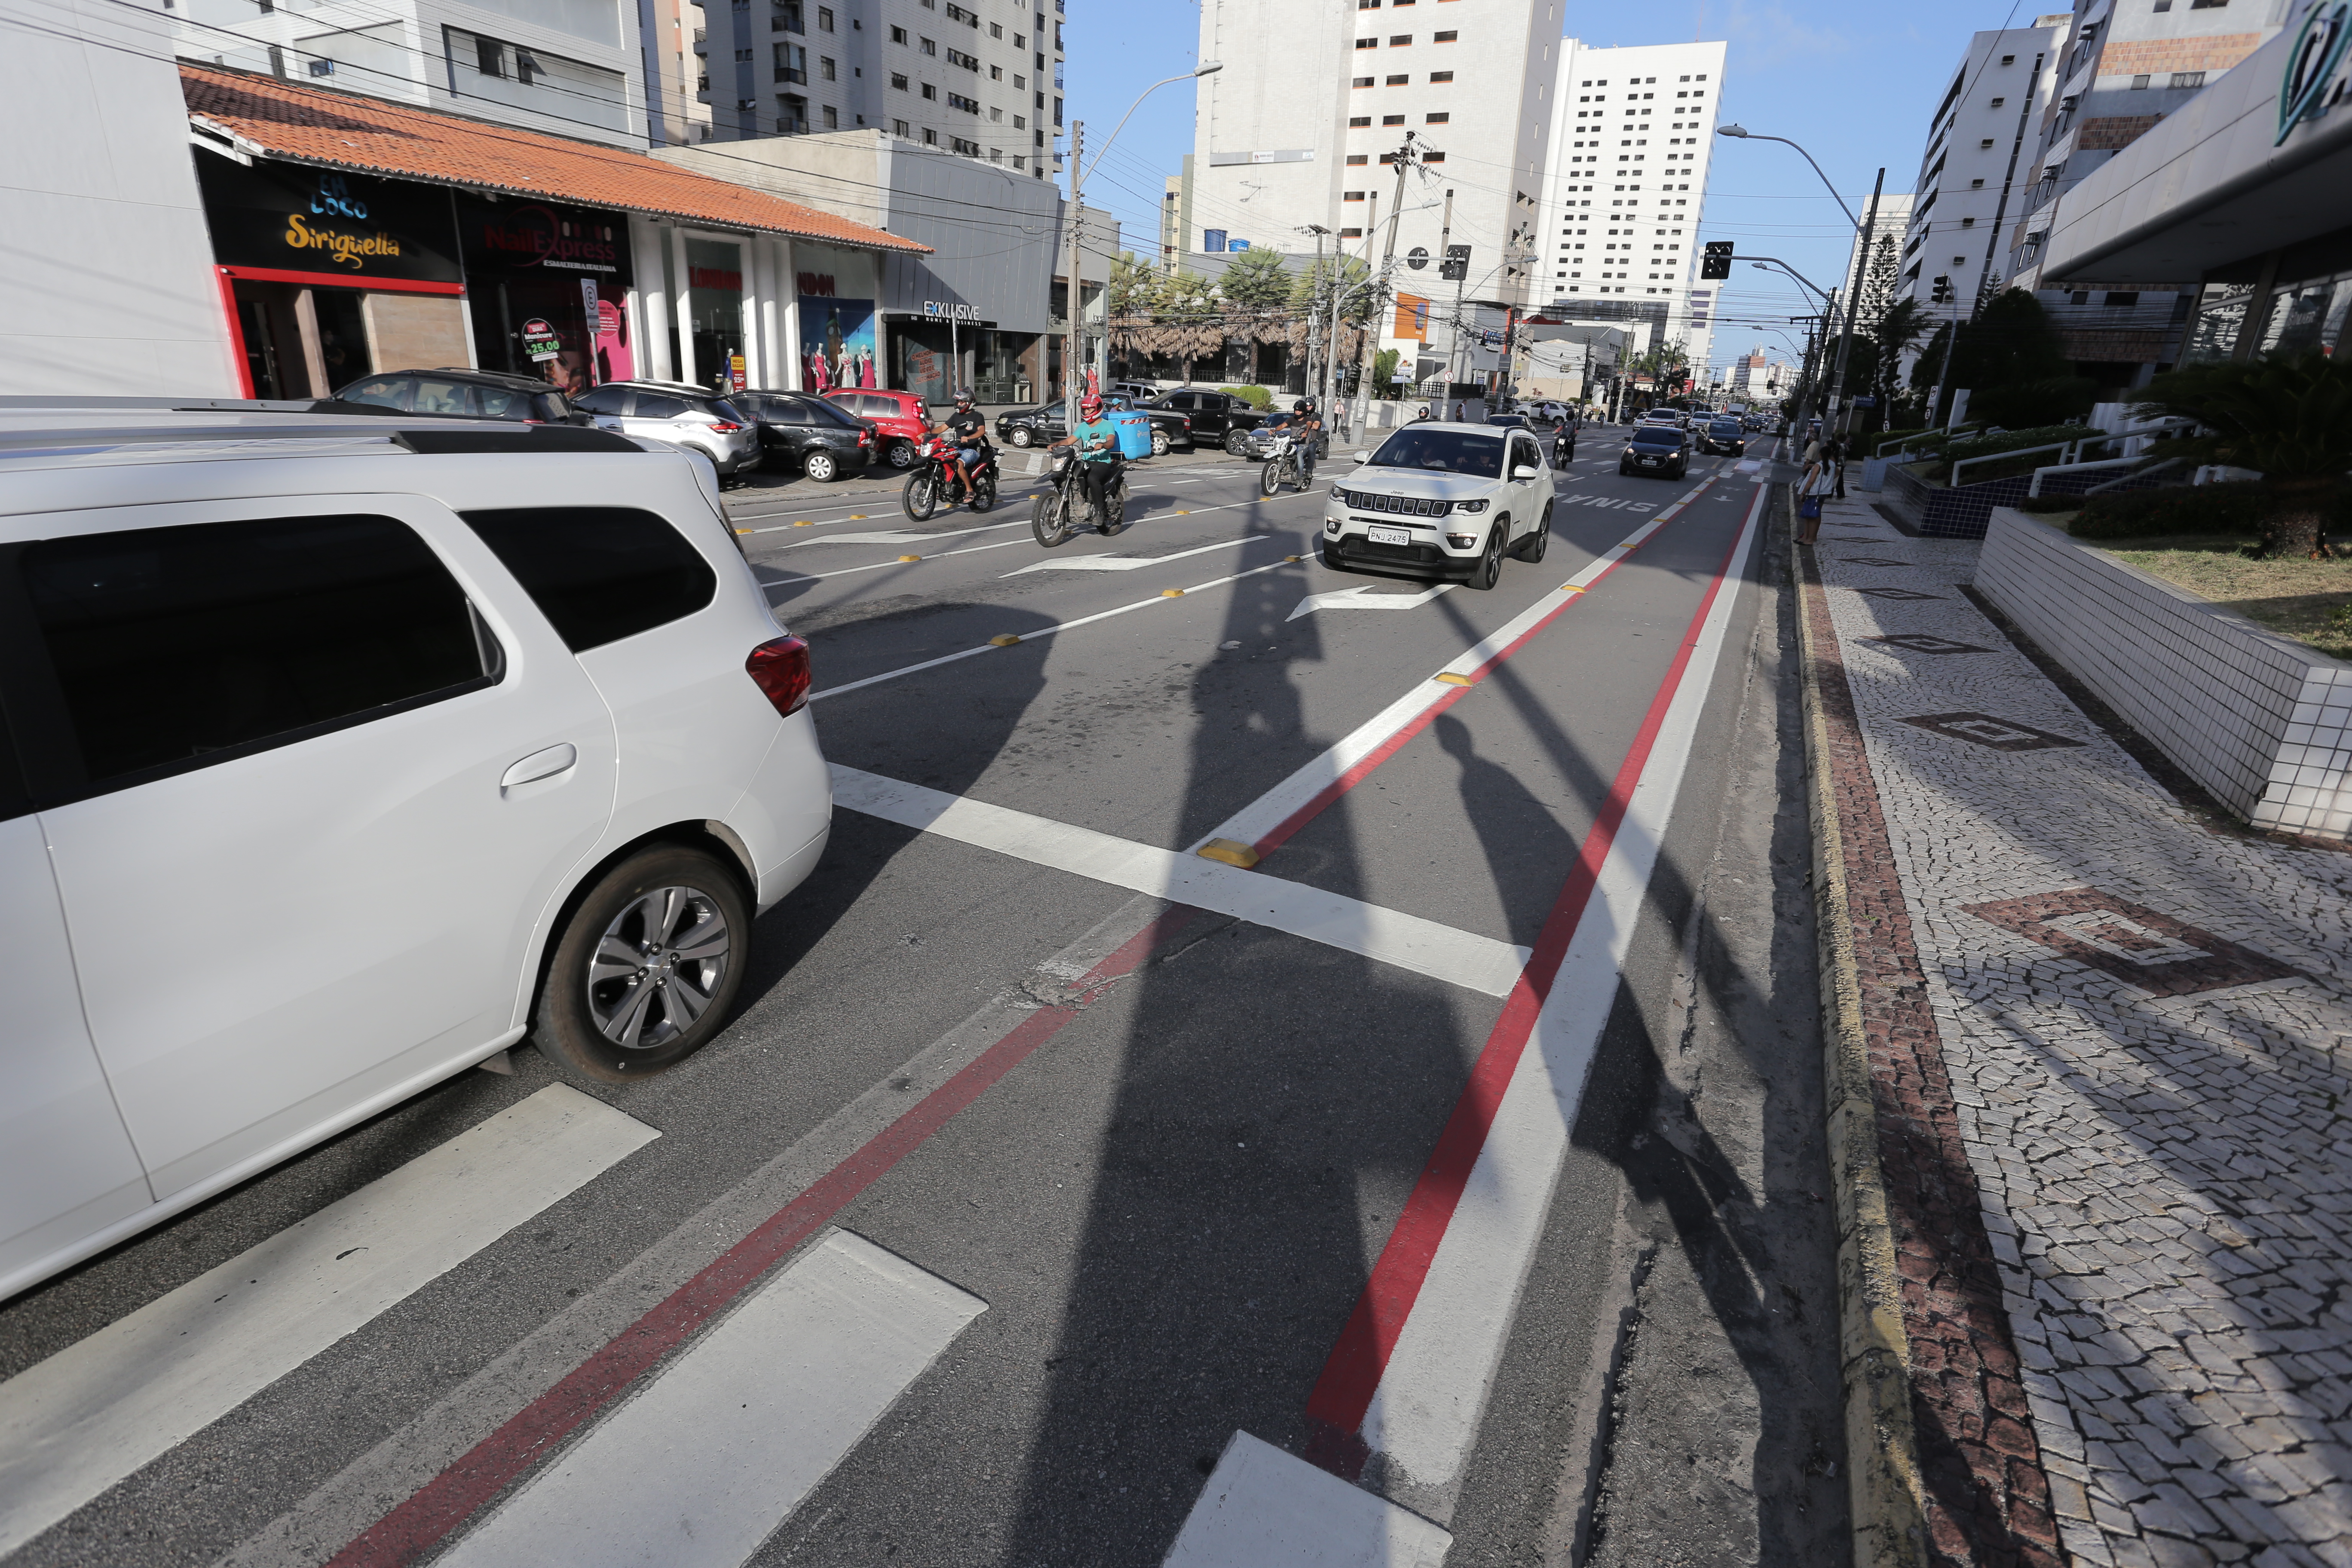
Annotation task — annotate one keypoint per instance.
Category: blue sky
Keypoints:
(1854, 83)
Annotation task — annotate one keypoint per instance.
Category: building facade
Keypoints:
(669, 31)
(572, 68)
(983, 79)
(1630, 138)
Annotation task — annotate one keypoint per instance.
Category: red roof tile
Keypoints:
(319, 126)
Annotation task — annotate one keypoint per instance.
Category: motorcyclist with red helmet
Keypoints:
(1096, 442)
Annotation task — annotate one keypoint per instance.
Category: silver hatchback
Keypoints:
(683, 416)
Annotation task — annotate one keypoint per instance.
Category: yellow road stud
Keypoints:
(858, 516)
(1005, 639)
(1292, 558)
(910, 558)
(1172, 593)
(804, 522)
(1450, 679)
(1228, 851)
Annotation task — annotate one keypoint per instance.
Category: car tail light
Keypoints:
(780, 669)
(723, 427)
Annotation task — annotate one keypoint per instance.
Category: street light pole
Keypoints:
(1854, 303)
(1388, 260)
(1077, 289)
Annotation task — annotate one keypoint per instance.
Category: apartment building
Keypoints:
(667, 31)
(1303, 126)
(984, 78)
(1630, 138)
(571, 68)
(1978, 162)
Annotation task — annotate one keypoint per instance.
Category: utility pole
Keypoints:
(1461, 285)
(1075, 291)
(1314, 305)
(1404, 158)
(1853, 303)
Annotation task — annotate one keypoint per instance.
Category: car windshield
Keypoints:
(1657, 436)
(1445, 452)
(1726, 427)
(1505, 419)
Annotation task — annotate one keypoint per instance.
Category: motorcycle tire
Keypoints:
(1115, 512)
(983, 492)
(921, 496)
(1269, 479)
(1049, 520)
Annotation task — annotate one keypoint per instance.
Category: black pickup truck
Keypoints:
(1044, 424)
(1215, 418)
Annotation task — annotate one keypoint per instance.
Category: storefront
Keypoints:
(549, 285)
(329, 276)
(2242, 188)
(950, 346)
(834, 297)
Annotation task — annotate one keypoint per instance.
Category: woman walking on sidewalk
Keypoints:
(1820, 481)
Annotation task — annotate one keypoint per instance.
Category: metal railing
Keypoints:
(1903, 444)
(2020, 452)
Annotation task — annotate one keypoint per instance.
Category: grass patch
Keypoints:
(2310, 601)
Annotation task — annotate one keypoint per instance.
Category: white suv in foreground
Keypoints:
(1442, 501)
(335, 757)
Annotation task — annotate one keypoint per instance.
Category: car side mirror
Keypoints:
(1523, 472)
(1363, 457)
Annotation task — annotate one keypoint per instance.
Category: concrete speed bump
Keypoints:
(1228, 851)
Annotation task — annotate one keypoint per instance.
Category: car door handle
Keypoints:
(539, 765)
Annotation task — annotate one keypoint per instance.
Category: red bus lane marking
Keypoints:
(1353, 1374)
(418, 1525)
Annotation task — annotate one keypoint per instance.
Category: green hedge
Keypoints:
(1256, 396)
(2238, 509)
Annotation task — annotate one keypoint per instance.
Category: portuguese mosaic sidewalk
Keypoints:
(2110, 1052)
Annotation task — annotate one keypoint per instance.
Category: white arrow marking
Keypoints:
(1365, 598)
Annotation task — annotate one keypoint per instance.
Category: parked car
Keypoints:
(458, 393)
(1723, 434)
(1656, 447)
(1044, 424)
(815, 435)
(900, 420)
(683, 416)
(1514, 421)
(1141, 391)
(1444, 502)
(1212, 418)
(336, 767)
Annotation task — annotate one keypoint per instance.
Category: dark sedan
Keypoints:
(1724, 435)
(823, 440)
(1657, 449)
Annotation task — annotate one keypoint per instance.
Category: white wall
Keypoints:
(106, 276)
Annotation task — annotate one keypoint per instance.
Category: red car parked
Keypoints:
(899, 420)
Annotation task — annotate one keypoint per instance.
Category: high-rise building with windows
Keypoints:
(1303, 126)
(1631, 131)
(982, 78)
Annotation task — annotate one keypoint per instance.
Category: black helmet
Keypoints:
(1305, 405)
(964, 394)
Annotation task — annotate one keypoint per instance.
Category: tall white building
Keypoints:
(1978, 165)
(1301, 126)
(1630, 135)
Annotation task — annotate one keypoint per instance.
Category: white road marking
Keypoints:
(1366, 597)
(1386, 936)
(1263, 1508)
(1128, 563)
(91, 1414)
(1426, 1413)
(702, 1464)
(1028, 637)
(1275, 807)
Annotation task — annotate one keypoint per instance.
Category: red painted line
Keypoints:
(1363, 769)
(1358, 1360)
(420, 1524)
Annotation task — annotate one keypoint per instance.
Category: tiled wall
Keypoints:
(2263, 724)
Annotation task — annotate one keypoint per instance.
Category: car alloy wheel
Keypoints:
(902, 455)
(1020, 435)
(1236, 444)
(657, 967)
(1489, 569)
(820, 466)
(1159, 443)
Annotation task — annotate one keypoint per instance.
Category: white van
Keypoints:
(335, 757)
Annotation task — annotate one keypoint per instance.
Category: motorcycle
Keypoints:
(1282, 466)
(934, 481)
(1062, 506)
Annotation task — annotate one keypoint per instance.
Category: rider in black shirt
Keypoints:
(967, 427)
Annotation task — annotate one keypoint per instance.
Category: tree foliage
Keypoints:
(1255, 280)
(2290, 419)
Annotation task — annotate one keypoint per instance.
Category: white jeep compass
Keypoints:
(337, 755)
(1442, 501)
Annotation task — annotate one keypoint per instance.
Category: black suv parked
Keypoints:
(1215, 419)
(467, 394)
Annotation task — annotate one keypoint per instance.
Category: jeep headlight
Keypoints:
(1469, 506)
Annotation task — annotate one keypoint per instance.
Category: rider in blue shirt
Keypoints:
(1096, 442)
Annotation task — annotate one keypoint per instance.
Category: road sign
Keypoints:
(1457, 265)
(1417, 257)
(1717, 261)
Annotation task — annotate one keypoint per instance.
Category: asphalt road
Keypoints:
(1162, 1207)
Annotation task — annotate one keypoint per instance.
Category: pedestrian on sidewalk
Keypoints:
(1835, 457)
(1820, 479)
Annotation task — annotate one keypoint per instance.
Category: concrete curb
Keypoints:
(1884, 1486)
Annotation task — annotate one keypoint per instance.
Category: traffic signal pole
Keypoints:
(1852, 304)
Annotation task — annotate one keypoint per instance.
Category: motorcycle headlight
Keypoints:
(1469, 506)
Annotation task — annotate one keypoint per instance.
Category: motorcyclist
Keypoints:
(1563, 439)
(1096, 441)
(967, 431)
(1305, 427)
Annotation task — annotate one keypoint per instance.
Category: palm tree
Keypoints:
(2290, 419)
(1898, 327)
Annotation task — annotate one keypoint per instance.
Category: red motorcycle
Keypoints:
(934, 482)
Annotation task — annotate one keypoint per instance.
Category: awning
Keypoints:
(264, 116)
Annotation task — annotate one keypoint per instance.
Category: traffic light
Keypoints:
(1943, 295)
(1457, 265)
(1718, 261)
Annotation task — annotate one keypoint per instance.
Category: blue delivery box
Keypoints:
(1134, 432)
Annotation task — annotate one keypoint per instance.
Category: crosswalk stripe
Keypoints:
(1265, 1508)
(78, 1423)
(698, 1468)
